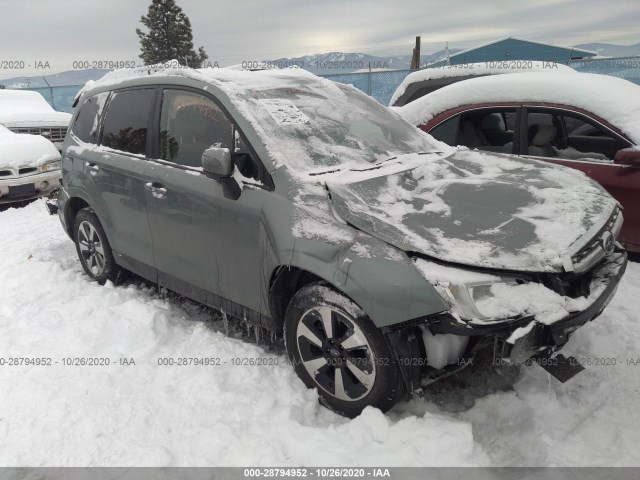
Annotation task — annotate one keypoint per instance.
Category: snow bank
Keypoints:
(147, 415)
(151, 415)
(477, 69)
(613, 99)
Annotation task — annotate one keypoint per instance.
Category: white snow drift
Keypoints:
(146, 414)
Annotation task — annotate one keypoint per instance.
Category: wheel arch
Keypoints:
(71, 208)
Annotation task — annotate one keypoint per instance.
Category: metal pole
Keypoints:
(53, 101)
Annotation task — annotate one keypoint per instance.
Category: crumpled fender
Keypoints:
(381, 279)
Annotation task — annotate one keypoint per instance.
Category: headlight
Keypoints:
(51, 166)
(472, 295)
(479, 300)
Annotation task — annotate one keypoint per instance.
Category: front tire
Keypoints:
(93, 248)
(335, 348)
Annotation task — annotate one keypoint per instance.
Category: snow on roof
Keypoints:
(28, 107)
(472, 69)
(23, 101)
(613, 99)
(493, 42)
(304, 121)
(218, 76)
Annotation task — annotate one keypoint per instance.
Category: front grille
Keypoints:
(26, 171)
(54, 134)
(568, 284)
(594, 251)
(593, 245)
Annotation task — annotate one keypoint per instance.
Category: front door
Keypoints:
(204, 242)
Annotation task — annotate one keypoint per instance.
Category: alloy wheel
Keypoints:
(336, 353)
(91, 248)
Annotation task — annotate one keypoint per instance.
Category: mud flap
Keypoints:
(52, 206)
(560, 367)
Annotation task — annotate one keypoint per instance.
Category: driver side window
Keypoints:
(189, 124)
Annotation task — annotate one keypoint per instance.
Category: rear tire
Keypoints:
(93, 248)
(336, 349)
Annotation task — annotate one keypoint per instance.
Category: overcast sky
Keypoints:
(232, 31)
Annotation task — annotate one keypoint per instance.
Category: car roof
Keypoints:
(439, 75)
(228, 80)
(615, 100)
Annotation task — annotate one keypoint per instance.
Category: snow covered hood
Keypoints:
(473, 208)
(477, 69)
(18, 150)
(613, 99)
(25, 108)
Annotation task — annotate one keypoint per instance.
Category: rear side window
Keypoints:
(126, 121)
(88, 119)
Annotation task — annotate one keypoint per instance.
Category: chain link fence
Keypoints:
(59, 97)
(623, 67)
(380, 84)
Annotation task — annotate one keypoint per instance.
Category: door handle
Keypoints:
(157, 190)
(93, 168)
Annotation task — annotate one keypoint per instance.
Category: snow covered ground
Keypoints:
(151, 415)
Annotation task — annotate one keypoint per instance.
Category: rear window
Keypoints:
(88, 119)
(126, 121)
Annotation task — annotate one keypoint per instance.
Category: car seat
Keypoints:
(540, 140)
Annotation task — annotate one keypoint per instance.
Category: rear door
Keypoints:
(116, 174)
(578, 141)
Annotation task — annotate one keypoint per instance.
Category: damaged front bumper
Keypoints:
(520, 339)
(515, 341)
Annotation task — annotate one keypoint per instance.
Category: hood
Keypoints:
(474, 208)
(21, 150)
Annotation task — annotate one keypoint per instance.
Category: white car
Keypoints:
(24, 111)
(29, 166)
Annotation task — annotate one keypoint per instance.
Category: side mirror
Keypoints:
(217, 162)
(628, 156)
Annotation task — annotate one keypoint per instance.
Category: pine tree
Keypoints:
(169, 36)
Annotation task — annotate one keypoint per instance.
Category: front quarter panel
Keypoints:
(381, 279)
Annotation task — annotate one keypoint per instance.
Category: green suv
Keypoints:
(385, 259)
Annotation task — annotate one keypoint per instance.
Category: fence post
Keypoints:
(53, 100)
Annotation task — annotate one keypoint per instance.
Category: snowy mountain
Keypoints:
(339, 62)
(71, 77)
(609, 50)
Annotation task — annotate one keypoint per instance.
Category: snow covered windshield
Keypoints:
(316, 124)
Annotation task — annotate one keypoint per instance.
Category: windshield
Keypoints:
(310, 124)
